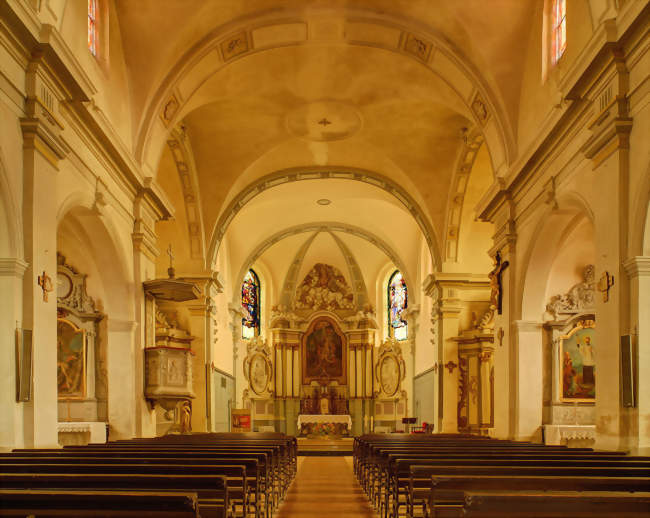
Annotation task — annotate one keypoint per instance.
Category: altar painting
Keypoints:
(577, 364)
(324, 353)
(71, 360)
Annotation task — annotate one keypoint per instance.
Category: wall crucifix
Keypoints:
(496, 283)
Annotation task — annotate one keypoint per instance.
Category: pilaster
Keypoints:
(43, 148)
(527, 337)
(638, 271)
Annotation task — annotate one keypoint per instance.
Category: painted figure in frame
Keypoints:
(578, 365)
(324, 352)
(70, 360)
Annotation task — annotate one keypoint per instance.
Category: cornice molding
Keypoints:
(638, 266)
(10, 267)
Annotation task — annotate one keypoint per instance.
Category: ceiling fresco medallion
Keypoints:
(323, 121)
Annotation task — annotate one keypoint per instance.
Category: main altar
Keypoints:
(319, 370)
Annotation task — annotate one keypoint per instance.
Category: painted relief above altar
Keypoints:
(324, 288)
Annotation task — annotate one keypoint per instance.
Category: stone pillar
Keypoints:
(42, 150)
(11, 280)
(505, 350)
(638, 270)
(608, 150)
(122, 378)
(529, 400)
(144, 269)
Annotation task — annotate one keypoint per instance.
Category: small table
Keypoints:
(324, 424)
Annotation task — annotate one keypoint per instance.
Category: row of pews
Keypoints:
(215, 475)
(453, 475)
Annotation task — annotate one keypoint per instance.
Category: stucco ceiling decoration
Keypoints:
(323, 173)
(229, 44)
(466, 158)
(316, 227)
(323, 121)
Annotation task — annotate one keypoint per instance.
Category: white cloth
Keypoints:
(324, 418)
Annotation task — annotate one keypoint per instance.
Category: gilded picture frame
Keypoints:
(577, 365)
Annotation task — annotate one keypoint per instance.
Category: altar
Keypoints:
(324, 424)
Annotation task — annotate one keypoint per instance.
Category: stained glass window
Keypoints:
(397, 303)
(92, 27)
(250, 303)
(558, 36)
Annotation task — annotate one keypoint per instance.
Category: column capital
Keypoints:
(638, 266)
(13, 267)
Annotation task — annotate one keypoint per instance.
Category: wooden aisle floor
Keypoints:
(325, 487)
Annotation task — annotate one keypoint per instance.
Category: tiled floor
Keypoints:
(325, 487)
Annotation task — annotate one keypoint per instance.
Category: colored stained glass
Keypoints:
(92, 26)
(559, 29)
(250, 302)
(397, 303)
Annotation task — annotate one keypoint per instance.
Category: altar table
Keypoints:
(324, 424)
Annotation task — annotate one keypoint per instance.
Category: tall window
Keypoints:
(397, 303)
(92, 27)
(250, 303)
(558, 36)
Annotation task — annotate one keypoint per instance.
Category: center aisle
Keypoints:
(324, 487)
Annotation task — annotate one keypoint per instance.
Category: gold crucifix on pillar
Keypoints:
(45, 282)
(604, 284)
(496, 283)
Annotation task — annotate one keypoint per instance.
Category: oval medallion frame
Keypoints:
(259, 365)
(389, 364)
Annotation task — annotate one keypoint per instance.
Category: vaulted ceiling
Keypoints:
(265, 90)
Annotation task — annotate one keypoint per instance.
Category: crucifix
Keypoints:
(604, 284)
(324, 122)
(45, 282)
(496, 283)
(170, 270)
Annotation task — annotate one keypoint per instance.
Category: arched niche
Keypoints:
(563, 245)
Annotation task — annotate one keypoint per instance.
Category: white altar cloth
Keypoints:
(554, 434)
(324, 418)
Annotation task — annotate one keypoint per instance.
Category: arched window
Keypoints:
(92, 27)
(250, 303)
(397, 303)
(558, 28)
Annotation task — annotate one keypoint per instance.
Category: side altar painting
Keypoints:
(578, 363)
(324, 352)
(71, 360)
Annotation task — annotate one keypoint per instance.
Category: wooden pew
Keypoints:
(97, 504)
(550, 504)
(211, 490)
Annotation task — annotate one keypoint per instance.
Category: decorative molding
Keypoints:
(638, 266)
(579, 298)
(180, 149)
(322, 173)
(326, 226)
(472, 141)
(13, 268)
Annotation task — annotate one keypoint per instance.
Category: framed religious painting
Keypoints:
(70, 360)
(324, 353)
(578, 363)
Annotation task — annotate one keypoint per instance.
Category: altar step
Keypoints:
(325, 447)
